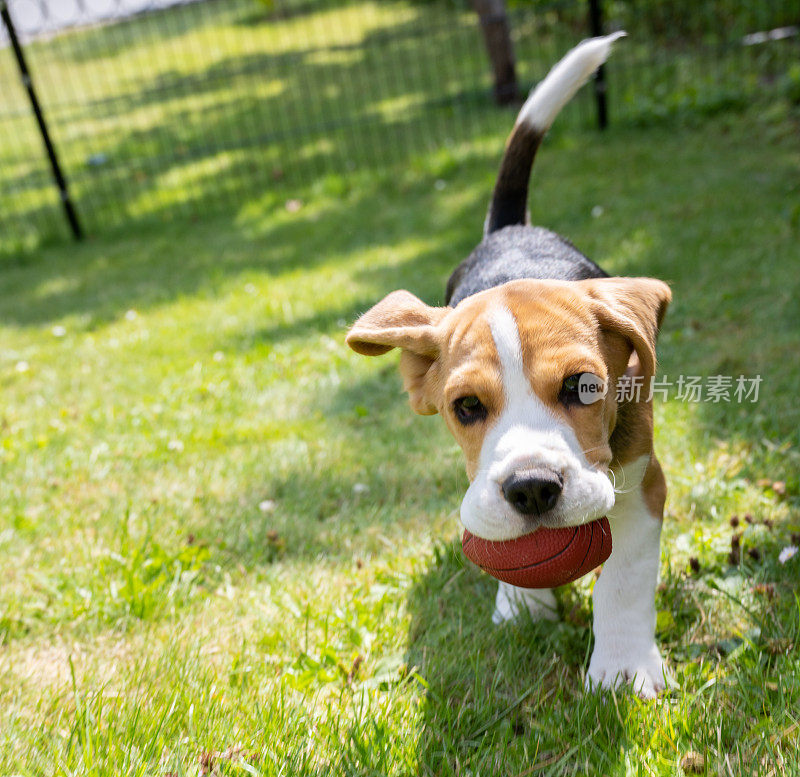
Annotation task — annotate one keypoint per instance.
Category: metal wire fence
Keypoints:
(170, 109)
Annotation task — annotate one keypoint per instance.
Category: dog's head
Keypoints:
(506, 368)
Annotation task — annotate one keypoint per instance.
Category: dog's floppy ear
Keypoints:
(403, 321)
(633, 308)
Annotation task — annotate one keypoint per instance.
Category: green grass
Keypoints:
(224, 537)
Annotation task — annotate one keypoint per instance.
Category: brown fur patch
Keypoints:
(559, 338)
(654, 489)
(469, 366)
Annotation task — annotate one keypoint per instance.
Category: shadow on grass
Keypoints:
(506, 694)
(513, 694)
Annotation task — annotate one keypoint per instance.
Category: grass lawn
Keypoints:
(228, 545)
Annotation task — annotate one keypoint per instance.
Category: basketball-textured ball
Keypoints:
(546, 558)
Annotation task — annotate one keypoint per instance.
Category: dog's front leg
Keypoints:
(624, 602)
(511, 601)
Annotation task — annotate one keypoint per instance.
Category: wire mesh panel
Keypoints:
(175, 110)
(169, 110)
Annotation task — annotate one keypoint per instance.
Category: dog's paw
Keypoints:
(643, 669)
(512, 601)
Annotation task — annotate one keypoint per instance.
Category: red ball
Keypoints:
(546, 558)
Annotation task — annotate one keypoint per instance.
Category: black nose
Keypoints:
(533, 492)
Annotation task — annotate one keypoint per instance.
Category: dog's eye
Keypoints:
(583, 388)
(570, 389)
(469, 410)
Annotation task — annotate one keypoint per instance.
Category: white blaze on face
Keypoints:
(528, 435)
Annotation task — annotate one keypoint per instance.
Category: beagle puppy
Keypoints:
(528, 321)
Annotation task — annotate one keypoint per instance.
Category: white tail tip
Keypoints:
(564, 80)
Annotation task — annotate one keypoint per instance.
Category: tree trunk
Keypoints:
(497, 37)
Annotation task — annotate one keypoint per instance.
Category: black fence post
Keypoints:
(58, 175)
(596, 26)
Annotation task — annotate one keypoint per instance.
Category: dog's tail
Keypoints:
(510, 197)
